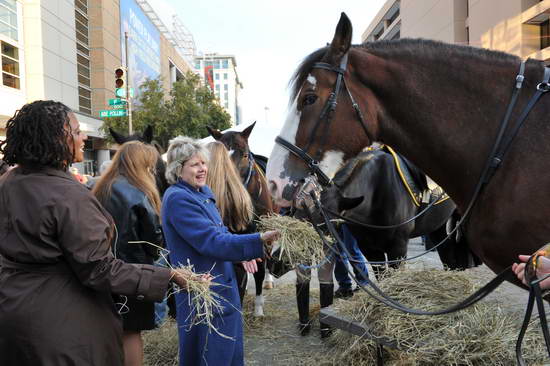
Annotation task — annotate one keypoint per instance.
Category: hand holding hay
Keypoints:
(269, 237)
(298, 242)
(181, 276)
(204, 302)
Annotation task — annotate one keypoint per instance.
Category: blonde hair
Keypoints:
(181, 149)
(136, 162)
(232, 199)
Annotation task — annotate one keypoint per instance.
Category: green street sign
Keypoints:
(117, 101)
(113, 113)
(121, 92)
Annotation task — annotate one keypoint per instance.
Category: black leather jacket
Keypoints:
(135, 220)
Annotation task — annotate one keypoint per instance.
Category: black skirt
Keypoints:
(137, 315)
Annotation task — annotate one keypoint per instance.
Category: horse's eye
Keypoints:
(245, 156)
(309, 99)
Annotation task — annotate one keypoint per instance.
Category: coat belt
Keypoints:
(56, 268)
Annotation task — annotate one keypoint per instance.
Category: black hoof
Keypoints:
(342, 293)
(304, 328)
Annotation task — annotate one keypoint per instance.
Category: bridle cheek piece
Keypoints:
(326, 115)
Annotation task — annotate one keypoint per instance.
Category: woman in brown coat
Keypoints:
(57, 270)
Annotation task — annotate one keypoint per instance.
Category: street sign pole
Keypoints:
(128, 96)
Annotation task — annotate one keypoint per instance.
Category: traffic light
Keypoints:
(120, 82)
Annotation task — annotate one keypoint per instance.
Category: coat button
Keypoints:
(140, 297)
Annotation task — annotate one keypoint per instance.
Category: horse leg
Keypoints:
(242, 280)
(258, 280)
(303, 278)
(269, 281)
(326, 293)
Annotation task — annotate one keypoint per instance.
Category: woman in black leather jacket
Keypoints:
(128, 191)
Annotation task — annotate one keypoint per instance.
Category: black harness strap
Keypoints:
(542, 88)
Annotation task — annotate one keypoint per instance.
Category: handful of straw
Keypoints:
(203, 302)
(299, 242)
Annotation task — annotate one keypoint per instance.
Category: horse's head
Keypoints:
(237, 145)
(323, 128)
(145, 137)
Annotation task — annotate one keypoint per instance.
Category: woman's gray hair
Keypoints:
(181, 149)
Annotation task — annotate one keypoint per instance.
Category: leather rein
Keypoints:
(501, 145)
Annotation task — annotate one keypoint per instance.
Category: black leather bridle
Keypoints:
(326, 115)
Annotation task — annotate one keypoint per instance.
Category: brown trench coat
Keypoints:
(58, 273)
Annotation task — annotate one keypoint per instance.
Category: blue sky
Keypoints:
(268, 39)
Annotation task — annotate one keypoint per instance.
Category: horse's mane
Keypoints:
(408, 47)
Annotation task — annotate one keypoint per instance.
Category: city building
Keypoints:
(68, 50)
(520, 27)
(219, 72)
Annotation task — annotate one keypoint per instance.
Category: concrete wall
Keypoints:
(50, 42)
(442, 20)
(105, 50)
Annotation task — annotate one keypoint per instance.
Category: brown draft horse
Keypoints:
(439, 105)
(253, 178)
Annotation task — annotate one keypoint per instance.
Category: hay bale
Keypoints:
(483, 334)
(299, 242)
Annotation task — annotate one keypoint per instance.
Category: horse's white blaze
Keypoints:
(231, 152)
(332, 162)
(311, 79)
(279, 155)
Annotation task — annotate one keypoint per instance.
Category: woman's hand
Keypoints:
(251, 266)
(268, 238)
(181, 275)
(543, 269)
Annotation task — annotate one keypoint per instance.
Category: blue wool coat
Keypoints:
(194, 233)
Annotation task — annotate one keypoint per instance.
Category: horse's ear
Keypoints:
(215, 133)
(119, 139)
(341, 42)
(348, 203)
(148, 134)
(246, 132)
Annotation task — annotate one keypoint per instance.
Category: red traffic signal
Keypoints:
(119, 74)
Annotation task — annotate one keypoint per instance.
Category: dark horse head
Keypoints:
(251, 167)
(147, 138)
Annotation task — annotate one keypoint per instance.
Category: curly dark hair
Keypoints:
(36, 136)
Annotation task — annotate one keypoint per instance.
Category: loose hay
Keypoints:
(299, 242)
(203, 302)
(483, 334)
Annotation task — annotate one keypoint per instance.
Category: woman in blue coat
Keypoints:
(195, 234)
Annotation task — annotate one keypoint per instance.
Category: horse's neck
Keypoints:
(259, 193)
(443, 120)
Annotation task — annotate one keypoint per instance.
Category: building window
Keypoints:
(225, 96)
(218, 87)
(217, 76)
(393, 17)
(225, 64)
(83, 56)
(8, 19)
(10, 66)
(217, 64)
(225, 76)
(226, 105)
(197, 65)
(544, 34)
